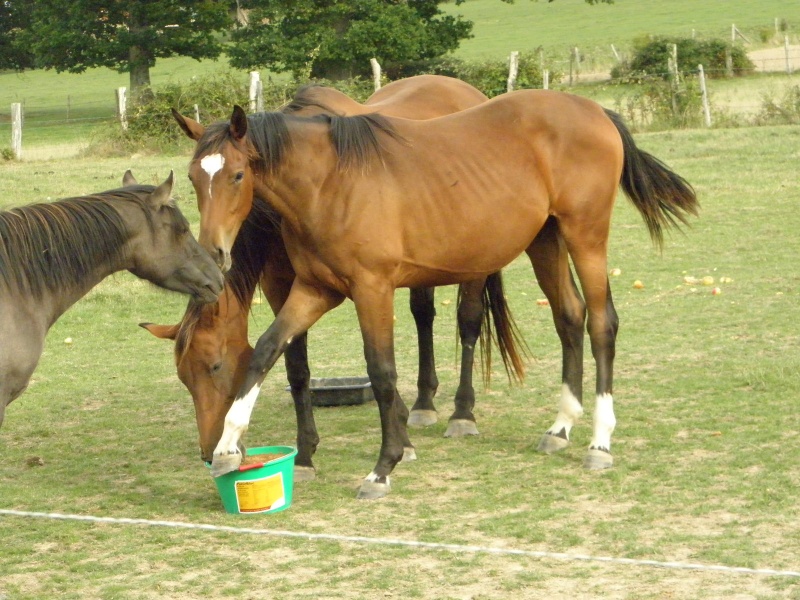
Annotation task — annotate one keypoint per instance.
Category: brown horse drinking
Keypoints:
(212, 350)
(369, 204)
(52, 254)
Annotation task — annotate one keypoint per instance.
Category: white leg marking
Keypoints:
(211, 164)
(236, 422)
(569, 412)
(604, 422)
(372, 477)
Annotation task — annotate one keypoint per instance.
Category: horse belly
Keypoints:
(455, 246)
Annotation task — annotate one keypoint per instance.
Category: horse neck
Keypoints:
(58, 303)
(293, 186)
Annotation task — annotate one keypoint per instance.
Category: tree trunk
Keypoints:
(140, 75)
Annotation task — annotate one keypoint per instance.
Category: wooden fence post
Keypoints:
(513, 69)
(786, 52)
(16, 130)
(255, 79)
(196, 113)
(704, 93)
(376, 73)
(672, 67)
(546, 79)
(122, 107)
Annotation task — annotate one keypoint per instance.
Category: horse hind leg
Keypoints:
(550, 260)
(587, 242)
(470, 318)
(423, 413)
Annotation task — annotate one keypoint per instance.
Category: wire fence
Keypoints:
(60, 118)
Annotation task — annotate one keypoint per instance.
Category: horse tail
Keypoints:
(499, 326)
(660, 195)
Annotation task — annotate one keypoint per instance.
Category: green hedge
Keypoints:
(651, 54)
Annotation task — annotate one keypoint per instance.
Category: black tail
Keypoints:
(505, 333)
(661, 196)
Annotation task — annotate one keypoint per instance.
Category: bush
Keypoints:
(782, 111)
(651, 55)
(658, 105)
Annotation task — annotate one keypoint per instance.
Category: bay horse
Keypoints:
(53, 253)
(212, 350)
(370, 203)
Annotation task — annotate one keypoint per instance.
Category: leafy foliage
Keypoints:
(74, 35)
(651, 55)
(14, 19)
(336, 40)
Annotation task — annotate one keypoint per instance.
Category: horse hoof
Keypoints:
(598, 459)
(225, 463)
(461, 428)
(422, 418)
(409, 454)
(550, 444)
(304, 474)
(372, 490)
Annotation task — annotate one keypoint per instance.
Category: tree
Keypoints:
(335, 40)
(127, 35)
(14, 20)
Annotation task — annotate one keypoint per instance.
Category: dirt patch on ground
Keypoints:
(775, 59)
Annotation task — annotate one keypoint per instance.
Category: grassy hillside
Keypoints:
(556, 26)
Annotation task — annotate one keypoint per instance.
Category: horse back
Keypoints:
(425, 97)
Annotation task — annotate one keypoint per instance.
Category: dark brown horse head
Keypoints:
(222, 177)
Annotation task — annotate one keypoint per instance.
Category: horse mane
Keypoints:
(45, 247)
(248, 257)
(355, 138)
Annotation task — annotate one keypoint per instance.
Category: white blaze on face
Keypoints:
(211, 164)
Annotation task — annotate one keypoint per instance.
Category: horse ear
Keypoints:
(238, 126)
(164, 332)
(190, 127)
(163, 193)
(128, 179)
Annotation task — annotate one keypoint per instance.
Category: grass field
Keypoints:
(706, 443)
(706, 447)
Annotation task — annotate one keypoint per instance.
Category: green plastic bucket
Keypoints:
(261, 487)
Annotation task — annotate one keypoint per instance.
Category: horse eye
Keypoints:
(238, 177)
(215, 367)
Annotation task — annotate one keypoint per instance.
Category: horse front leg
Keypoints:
(304, 306)
(374, 305)
(276, 282)
(299, 375)
(423, 413)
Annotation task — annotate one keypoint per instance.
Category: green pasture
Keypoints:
(563, 24)
(706, 447)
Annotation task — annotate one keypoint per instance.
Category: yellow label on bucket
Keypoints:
(260, 495)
